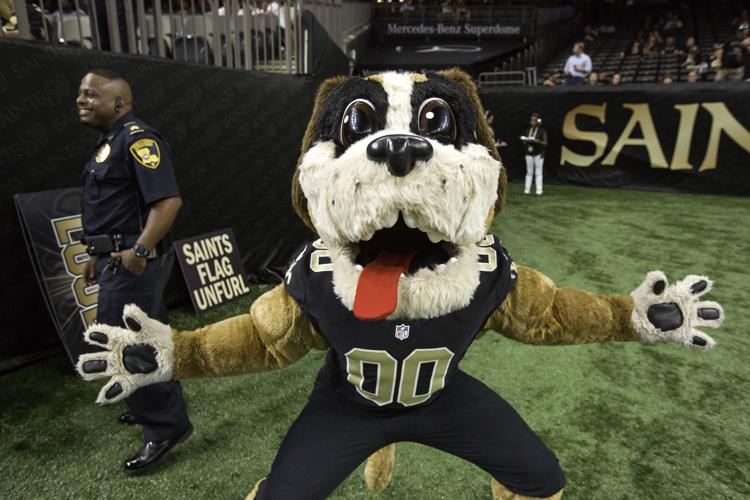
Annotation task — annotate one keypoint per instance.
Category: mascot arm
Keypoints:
(274, 334)
(537, 312)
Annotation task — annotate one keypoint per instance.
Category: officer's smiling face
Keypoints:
(96, 102)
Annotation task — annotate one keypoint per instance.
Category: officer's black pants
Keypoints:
(333, 435)
(159, 408)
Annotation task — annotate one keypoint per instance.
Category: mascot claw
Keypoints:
(135, 356)
(671, 312)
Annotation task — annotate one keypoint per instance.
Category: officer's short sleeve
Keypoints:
(152, 165)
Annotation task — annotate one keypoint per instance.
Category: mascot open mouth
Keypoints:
(414, 247)
(391, 253)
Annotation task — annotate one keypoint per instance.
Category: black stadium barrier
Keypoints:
(234, 135)
(680, 137)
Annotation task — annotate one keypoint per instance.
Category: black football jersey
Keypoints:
(394, 364)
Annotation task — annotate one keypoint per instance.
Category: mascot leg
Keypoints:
(379, 468)
(500, 492)
(251, 495)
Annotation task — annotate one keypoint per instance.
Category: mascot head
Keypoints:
(400, 178)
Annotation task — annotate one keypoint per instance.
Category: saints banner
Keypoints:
(212, 267)
(680, 137)
(51, 223)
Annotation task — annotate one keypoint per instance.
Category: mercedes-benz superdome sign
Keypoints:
(452, 29)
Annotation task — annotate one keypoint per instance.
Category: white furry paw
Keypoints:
(135, 356)
(671, 313)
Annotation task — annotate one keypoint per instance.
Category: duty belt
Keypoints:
(107, 243)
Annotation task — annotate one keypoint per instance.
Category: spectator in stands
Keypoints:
(692, 57)
(578, 66)
(653, 45)
(690, 44)
(447, 11)
(715, 60)
(407, 9)
(593, 78)
(667, 79)
(732, 58)
(589, 34)
(10, 21)
(673, 21)
(670, 47)
(702, 68)
(692, 76)
(462, 11)
(278, 9)
(535, 142)
(550, 80)
(616, 80)
(635, 49)
(743, 18)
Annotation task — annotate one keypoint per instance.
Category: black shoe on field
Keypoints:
(153, 453)
(127, 418)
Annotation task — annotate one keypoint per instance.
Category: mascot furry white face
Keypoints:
(398, 182)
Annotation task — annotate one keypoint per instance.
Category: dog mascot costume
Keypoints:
(399, 178)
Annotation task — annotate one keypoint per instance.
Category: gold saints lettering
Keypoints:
(722, 123)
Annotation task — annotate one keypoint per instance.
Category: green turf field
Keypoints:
(627, 421)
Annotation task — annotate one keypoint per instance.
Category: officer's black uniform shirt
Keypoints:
(394, 364)
(129, 169)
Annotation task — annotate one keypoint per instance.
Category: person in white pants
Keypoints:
(535, 141)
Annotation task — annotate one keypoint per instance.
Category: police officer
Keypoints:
(130, 200)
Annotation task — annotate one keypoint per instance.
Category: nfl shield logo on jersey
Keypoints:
(402, 332)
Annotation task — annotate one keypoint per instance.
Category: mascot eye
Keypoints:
(436, 120)
(358, 121)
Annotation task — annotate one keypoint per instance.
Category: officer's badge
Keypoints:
(146, 152)
(402, 332)
(103, 153)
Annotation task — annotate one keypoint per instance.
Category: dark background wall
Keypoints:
(235, 137)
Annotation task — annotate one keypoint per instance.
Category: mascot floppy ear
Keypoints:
(299, 202)
(483, 132)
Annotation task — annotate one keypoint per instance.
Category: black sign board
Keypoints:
(51, 223)
(212, 267)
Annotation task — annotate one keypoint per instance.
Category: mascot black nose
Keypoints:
(399, 152)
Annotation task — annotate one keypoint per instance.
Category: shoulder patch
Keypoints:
(146, 152)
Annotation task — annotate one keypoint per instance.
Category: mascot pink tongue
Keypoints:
(377, 288)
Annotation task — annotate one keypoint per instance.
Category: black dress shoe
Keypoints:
(127, 418)
(153, 453)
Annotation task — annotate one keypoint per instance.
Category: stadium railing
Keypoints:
(228, 33)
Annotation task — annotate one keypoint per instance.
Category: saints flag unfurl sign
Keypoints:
(212, 267)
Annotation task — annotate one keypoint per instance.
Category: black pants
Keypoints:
(159, 408)
(333, 435)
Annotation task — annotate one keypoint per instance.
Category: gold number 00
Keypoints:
(385, 378)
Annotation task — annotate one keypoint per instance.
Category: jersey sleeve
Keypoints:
(497, 271)
(295, 279)
(152, 164)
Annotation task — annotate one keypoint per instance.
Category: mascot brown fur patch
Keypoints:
(399, 178)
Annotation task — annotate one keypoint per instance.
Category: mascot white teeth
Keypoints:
(400, 179)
